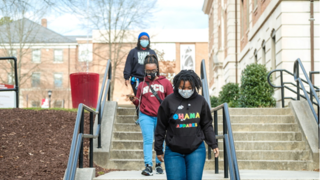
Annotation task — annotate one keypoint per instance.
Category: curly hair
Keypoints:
(187, 75)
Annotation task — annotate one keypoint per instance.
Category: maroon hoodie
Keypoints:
(149, 103)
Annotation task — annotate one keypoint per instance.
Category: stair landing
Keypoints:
(210, 175)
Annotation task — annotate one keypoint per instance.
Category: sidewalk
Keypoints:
(245, 175)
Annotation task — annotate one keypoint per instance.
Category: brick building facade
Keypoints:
(270, 32)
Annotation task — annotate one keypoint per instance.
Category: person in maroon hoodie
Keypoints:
(150, 94)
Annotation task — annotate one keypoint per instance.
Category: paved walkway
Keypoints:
(245, 175)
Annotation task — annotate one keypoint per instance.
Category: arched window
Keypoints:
(255, 56)
(273, 49)
(263, 55)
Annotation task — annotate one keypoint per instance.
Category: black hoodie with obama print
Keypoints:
(184, 124)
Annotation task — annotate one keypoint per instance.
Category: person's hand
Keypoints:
(126, 82)
(216, 152)
(160, 157)
(131, 97)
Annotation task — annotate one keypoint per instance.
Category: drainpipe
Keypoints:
(312, 37)
(236, 40)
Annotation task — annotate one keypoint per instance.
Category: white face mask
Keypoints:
(186, 93)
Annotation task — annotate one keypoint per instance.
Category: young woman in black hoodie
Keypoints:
(184, 121)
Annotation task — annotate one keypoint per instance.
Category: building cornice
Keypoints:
(207, 4)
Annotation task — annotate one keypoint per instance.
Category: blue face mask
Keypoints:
(144, 43)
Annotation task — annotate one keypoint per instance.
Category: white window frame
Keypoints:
(54, 79)
(55, 56)
(33, 55)
(32, 76)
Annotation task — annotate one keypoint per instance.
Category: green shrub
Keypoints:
(229, 93)
(214, 101)
(255, 90)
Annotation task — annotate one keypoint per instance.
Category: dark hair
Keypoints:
(139, 45)
(187, 75)
(152, 59)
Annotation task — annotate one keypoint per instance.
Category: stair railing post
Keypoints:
(298, 85)
(81, 147)
(282, 89)
(216, 159)
(91, 141)
(225, 156)
(99, 123)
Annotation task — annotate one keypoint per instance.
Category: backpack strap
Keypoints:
(154, 93)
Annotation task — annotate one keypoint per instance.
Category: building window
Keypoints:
(10, 78)
(57, 79)
(255, 3)
(35, 103)
(13, 53)
(263, 47)
(36, 56)
(85, 52)
(58, 104)
(255, 56)
(248, 13)
(58, 55)
(273, 49)
(242, 19)
(35, 80)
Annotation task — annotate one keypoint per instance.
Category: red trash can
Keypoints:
(84, 89)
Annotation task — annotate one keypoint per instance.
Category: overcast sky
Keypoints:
(170, 14)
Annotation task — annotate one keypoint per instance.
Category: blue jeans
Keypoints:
(148, 125)
(185, 166)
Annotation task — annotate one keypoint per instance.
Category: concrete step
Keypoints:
(241, 155)
(234, 119)
(126, 111)
(210, 175)
(235, 127)
(232, 111)
(258, 111)
(239, 145)
(138, 164)
(238, 136)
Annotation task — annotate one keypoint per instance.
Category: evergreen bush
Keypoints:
(214, 101)
(229, 94)
(255, 90)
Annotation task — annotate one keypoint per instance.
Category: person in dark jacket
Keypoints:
(149, 96)
(133, 72)
(184, 122)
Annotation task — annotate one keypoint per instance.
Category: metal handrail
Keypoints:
(283, 86)
(299, 82)
(296, 66)
(16, 88)
(230, 157)
(76, 150)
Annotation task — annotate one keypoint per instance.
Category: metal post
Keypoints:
(298, 85)
(282, 89)
(216, 160)
(99, 123)
(225, 156)
(91, 141)
(81, 148)
(16, 81)
(311, 95)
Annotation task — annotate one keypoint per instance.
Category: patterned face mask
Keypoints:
(186, 93)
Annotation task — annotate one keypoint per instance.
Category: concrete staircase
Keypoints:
(265, 139)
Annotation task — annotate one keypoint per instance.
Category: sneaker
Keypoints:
(147, 171)
(137, 122)
(159, 169)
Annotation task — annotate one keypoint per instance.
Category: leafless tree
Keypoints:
(18, 34)
(113, 21)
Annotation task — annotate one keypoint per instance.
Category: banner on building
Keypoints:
(187, 56)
